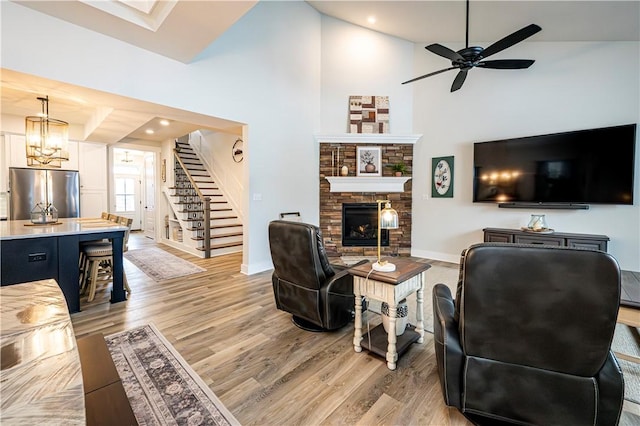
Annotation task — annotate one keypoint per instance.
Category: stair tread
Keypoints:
(233, 225)
(213, 237)
(206, 195)
(201, 210)
(211, 227)
(194, 202)
(220, 246)
(212, 218)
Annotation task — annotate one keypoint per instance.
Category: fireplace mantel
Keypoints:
(381, 138)
(367, 183)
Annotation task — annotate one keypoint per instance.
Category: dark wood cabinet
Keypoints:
(29, 260)
(33, 258)
(561, 239)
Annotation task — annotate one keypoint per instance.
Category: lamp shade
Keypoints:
(388, 218)
(46, 139)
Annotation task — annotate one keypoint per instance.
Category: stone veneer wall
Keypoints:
(331, 202)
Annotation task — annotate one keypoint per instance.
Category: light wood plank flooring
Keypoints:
(262, 367)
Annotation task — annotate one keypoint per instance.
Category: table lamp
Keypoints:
(387, 219)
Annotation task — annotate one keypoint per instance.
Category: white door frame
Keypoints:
(149, 199)
(112, 161)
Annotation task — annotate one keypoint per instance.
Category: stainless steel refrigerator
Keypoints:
(27, 187)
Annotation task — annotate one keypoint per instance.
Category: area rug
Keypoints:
(161, 265)
(160, 385)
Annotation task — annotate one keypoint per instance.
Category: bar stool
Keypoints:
(99, 260)
(82, 261)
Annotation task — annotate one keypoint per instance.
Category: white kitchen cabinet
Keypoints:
(92, 166)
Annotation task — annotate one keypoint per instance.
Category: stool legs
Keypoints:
(125, 282)
(92, 271)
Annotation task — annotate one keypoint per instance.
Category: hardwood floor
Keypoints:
(262, 367)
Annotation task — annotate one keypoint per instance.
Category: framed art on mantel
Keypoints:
(368, 114)
(442, 177)
(369, 161)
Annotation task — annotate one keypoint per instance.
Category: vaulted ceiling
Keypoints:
(181, 29)
(176, 29)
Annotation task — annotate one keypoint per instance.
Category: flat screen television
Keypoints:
(594, 166)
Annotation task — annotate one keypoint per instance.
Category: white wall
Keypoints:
(571, 86)
(215, 148)
(357, 61)
(264, 71)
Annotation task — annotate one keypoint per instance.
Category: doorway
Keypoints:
(133, 186)
(128, 173)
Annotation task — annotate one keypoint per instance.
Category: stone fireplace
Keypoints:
(360, 226)
(331, 203)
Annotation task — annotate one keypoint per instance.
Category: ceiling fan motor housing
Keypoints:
(470, 55)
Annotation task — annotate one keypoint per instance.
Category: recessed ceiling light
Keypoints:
(149, 131)
(164, 122)
(371, 19)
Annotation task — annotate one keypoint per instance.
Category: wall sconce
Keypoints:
(46, 139)
(387, 219)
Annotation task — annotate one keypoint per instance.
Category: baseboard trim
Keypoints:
(250, 269)
(434, 255)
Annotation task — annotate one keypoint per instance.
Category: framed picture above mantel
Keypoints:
(369, 161)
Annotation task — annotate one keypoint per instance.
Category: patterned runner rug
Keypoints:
(160, 385)
(161, 265)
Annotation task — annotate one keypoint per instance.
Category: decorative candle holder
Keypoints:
(538, 222)
(43, 214)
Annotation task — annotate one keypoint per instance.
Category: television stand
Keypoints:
(560, 239)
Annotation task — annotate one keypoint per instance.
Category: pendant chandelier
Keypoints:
(46, 139)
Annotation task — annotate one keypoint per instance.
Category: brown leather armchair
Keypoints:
(304, 282)
(528, 338)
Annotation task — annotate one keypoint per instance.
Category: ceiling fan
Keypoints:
(472, 57)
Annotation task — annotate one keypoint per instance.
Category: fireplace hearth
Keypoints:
(360, 226)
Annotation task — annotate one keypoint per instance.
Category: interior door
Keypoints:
(149, 196)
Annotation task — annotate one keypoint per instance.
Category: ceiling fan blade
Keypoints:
(507, 64)
(428, 75)
(457, 83)
(445, 52)
(510, 40)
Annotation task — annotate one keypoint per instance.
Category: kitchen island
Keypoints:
(41, 372)
(31, 252)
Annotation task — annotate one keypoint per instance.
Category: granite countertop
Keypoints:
(40, 372)
(19, 229)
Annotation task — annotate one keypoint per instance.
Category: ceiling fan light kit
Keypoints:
(473, 56)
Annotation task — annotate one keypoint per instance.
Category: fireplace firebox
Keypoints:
(360, 225)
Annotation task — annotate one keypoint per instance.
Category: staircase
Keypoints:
(193, 183)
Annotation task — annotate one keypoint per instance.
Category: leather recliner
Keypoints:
(304, 282)
(528, 338)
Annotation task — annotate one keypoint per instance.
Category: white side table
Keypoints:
(389, 287)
